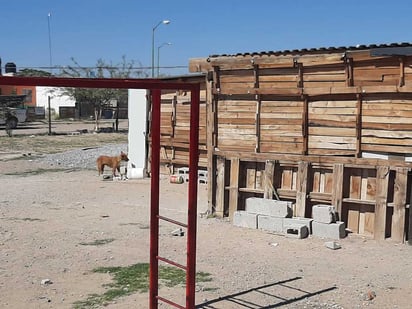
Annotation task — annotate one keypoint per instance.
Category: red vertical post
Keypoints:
(192, 202)
(154, 200)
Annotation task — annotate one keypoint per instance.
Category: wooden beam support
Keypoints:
(402, 72)
(220, 186)
(269, 189)
(256, 74)
(337, 189)
(210, 144)
(358, 153)
(349, 72)
(305, 125)
(399, 207)
(257, 123)
(381, 202)
(302, 189)
(234, 186)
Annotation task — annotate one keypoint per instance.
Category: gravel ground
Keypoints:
(83, 158)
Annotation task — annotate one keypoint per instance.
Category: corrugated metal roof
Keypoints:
(317, 50)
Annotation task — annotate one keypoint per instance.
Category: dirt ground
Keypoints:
(44, 218)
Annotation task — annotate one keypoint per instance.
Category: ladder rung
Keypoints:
(173, 221)
(171, 262)
(170, 302)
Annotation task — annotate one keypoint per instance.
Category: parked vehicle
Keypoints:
(10, 116)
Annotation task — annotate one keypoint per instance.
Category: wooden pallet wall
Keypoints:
(311, 118)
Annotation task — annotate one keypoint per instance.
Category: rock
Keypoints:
(178, 232)
(332, 245)
(46, 282)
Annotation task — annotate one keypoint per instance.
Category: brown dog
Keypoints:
(113, 162)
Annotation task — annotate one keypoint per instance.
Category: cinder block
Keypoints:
(202, 180)
(184, 172)
(269, 223)
(332, 230)
(297, 231)
(202, 173)
(243, 218)
(324, 213)
(273, 208)
(299, 221)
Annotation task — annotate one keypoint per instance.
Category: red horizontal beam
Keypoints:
(130, 83)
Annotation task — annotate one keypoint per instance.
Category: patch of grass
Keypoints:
(135, 278)
(98, 242)
(35, 172)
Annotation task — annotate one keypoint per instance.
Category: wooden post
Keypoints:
(399, 207)
(220, 187)
(337, 189)
(268, 180)
(234, 186)
(302, 189)
(382, 179)
(358, 126)
(210, 146)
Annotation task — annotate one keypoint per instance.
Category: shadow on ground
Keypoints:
(267, 291)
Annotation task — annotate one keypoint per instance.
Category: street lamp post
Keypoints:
(166, 22)
(158, 55)
(50, 48)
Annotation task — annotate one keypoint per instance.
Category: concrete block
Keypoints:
(202, 180)
(332, 245)
(332, 230)
(324, 213)
(273, 208)
(297, 231)
(184, 172)
(243, 218)
(202, 173)
(271, 224)
(299, 221)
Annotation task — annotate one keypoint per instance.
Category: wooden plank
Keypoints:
(234, 186)
(302, 189)
(382, 180)
(399, 204)
(220, 186)
(353, 218)
(251, 178)
(268, 186)
(337, 189)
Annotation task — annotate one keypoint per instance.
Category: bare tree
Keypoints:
(100, 98)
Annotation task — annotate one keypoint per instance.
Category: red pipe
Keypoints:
(192, 203)
(154, 200)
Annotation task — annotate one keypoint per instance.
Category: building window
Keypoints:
(28, 93)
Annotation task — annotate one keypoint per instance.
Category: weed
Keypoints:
(135, 278)
(35, 172)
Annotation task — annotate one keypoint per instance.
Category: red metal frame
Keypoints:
(156, 86)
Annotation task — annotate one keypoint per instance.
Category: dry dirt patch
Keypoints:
(46, 218)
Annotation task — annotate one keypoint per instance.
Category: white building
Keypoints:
(56, 98)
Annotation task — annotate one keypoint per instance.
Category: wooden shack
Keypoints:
(313, 126)
(175, 125)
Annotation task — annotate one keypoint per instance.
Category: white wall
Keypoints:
(137, 133)
(42, 94)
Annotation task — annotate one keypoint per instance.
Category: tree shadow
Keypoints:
(240, 299)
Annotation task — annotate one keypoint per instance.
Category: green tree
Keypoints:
(33, 72)
(100, 98)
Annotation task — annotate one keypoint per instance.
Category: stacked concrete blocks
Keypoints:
(325, 224)
(201, 175)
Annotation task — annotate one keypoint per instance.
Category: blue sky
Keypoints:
(91, 29)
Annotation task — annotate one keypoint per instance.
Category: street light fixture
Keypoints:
(158, 55)
(50, 47)
(166, 22)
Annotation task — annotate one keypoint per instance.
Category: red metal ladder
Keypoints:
(190, 267)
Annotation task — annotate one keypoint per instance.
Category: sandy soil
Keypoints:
(45, 217)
